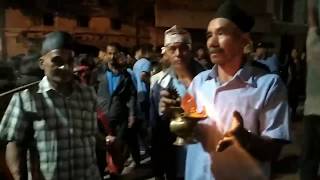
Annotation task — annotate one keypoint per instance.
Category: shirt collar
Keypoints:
(44, 85)
(245, 74)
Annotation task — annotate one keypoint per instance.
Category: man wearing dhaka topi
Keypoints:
(248, 112)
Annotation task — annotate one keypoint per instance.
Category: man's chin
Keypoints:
(217, 61)
(179, 65)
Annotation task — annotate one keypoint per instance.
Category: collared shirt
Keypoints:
(113, 80)
(312, 103)
(261, 100)
(63, 141)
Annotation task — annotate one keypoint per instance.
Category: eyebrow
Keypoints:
(208, 33)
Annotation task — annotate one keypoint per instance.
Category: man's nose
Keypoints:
(212, 41)
(177, 52)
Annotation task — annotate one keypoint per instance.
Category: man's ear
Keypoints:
(41, 62)
(246, 39)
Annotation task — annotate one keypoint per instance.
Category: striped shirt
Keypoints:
(60, 131)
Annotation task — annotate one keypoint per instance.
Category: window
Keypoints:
(48, 19)
(116, 24)
(83, 21)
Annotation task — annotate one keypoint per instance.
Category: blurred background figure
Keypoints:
(265, 55)
(116, 103)
(296, 81)
(142, 72)
(311, 144)
(202, 56)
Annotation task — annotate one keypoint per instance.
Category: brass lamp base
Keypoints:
(183, 126)
(179, 142)
(182, 142)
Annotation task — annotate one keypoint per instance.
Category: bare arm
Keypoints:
(17, 161)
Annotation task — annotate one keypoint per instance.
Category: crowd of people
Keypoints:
(90, 114)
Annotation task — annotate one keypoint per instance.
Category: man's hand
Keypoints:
(166, 101)
(110, 139)
(145, 77)
(237, 134)
(131, 121)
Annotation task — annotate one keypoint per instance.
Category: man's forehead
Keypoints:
(111, 48)
(221, 23)
(177, 44)
(66, 53)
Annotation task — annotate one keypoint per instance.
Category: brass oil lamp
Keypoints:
(184, 120)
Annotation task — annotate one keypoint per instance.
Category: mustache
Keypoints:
(215, 50)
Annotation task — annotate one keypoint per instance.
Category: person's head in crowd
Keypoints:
(201, 53)
(295, 54)
(112, 54)
(112, 51)
(130, 60)
(57, 57)
(177, 47)
(143, 51)
(129, 56)
(228, 34)
(29, 70)
(101, 56)
(122, 59)
(261, 51)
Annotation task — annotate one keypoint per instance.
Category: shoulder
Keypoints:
(141, 61)
(144, 60)
(197, 66)
(259, 66)
(272, 85)
(202, 76)
(156, 77)
(198, 80)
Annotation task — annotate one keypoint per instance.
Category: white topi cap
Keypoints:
(176, 34)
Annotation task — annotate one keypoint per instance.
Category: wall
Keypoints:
(99, 32)
(197, 14)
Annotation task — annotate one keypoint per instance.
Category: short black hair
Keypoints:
(145, 48)
(115, 45)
